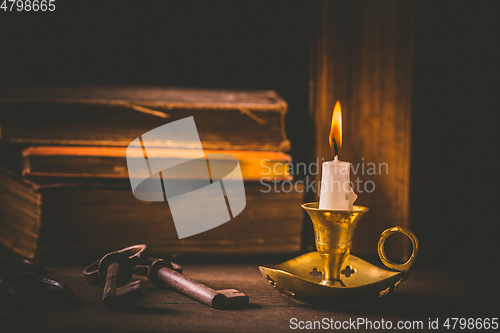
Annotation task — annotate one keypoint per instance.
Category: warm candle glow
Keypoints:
(336, 131)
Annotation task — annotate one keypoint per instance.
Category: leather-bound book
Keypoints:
(114, 116)
(111, 162)
(58, 221)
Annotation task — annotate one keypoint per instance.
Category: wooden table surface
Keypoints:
(428, 293)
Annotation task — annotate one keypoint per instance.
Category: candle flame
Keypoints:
(335, 137)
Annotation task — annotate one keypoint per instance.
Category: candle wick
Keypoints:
(335, 148)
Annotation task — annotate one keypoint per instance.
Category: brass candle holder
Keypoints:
(333, 231)
(332, 274)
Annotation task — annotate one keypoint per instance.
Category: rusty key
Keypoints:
(116, 269)
(136, 253)
(161, 273)
(143, 268)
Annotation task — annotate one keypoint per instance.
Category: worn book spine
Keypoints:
(111, 162)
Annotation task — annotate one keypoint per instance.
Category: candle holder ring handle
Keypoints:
(381, 250)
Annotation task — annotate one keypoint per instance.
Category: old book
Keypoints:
(114, 116)
(111, 162)
(79, 220)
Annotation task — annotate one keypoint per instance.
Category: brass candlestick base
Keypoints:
(333, 274)
(333, 231)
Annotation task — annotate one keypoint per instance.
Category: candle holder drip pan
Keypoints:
(332, 275)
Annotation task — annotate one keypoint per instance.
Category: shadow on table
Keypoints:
(412, 305)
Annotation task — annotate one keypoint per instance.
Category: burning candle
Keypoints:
(336, 191)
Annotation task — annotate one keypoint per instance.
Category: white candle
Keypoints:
(336, 192)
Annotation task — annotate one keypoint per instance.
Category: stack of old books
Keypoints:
(64, 187)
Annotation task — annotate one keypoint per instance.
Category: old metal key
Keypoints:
(136, 253)
(161, 273)
(116, 269)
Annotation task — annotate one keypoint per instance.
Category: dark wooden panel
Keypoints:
(362, 56)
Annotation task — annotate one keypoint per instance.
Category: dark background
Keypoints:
(455, 133)
(266, 45)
